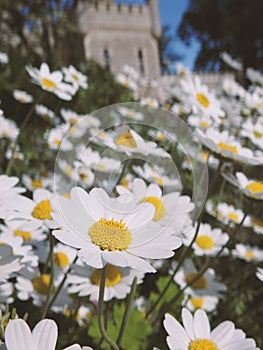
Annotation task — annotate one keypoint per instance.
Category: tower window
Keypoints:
(141, 63)
(106, 57)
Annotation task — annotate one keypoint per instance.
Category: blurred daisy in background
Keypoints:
(22, 96)
(247, 252)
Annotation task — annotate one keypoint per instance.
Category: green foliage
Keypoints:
(138, 328)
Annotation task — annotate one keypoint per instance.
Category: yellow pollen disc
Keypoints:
(200, 283)
(83, 176)
(41, 283)
(224, 146)
(125, 182)
(158, 180)
(233, 217)
(197, 302)
(205, 155)
(48, 83)
(203, 100)
(113, 276)
(36, 184)
(110, 235)
(68, 170)
(159, 207)
(202, 344)
(57, 142)
(161, 137)
(21, 99)
(42, 210)
(5, 134)
(249, 254)
(75, 77)
(24, 234)
(61, 259)
(204, 242)
(126, 84)
(167, 107)
(73, 120)
(204, 124)
(101, 166)
(257, 134)
(126, 140)
(255, 187)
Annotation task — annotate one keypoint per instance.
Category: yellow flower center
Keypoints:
(42, 210)
(255, 187)
(83, 176)
(200, 283)
(48, 83)
(233, 217)
(126, 84)
(158, 180)
(24, 234)
(167, 107)
(204, 242)
(126, 140)
(36, 184)
(57, 142)
(197, 302)
(110, 235)
(257, 134)
(258, 222)
(68, 170)
(75, 77)
(101, 166)
(125, 182)
(249, 254)
(161, 137)
(73, 120)
(203, 100)
(224, 146)
(113, 276)
(202, 344)
(159, 207)
(205, 155)
(41, 283)
(204, 124)
(61, 259)
(21, 99)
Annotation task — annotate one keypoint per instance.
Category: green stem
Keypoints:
(127, 162)
(52, 273)
(180, 262)
(62, 283)
(25, 121)
(100, 310)
(127, 311)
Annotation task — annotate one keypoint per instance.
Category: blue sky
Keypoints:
(171, 12)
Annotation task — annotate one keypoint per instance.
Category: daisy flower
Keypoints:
(36, 182)
(111, 230)
(51, 81)
(70, 116)
(230, 61)
(201, 122)
(254, 76)
(156, 174)
(126, 140)
(8, 128)
(252, 188)
(200, 98)
(150, 102)
(259, 273)
(9, 263)
(232, 88)
(130, 113)
(127, 81)
(6, 295)
(4, 58)
(22, 96)
(205, 302)
(204, 285)
(57, 138)
(209, 241)
(8, 193)
(257, 225)
(86, 281)
(34, 213)
(87, 155)
(224, 145)
(75, 77)
(227, 214)
(254, 131)
(170, 209)
(195, 334)
(18, 336)
(32, 236)
(247, 252)
(44, 112)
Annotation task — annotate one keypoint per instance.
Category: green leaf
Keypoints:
(138, 328)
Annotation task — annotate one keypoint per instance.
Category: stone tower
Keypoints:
(118, 34)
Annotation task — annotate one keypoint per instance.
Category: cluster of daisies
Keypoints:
(117, 207)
